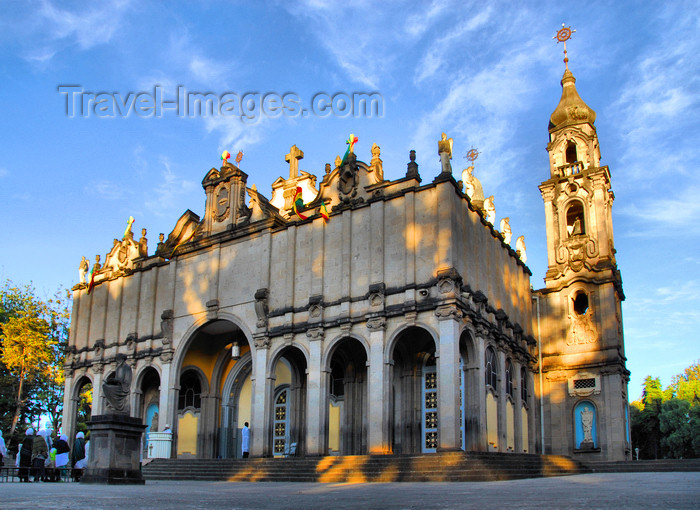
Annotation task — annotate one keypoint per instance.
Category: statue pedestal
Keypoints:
(115, 450)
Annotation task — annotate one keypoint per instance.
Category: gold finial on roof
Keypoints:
(563, 35)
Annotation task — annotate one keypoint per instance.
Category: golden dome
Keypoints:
(571, 108)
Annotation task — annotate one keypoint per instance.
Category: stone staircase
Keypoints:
(644, 466)
(442, 467)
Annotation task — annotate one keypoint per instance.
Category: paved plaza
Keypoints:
(590, 491)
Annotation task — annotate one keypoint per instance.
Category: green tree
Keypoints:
(674, 424)
(686, 386)
(646, 434)
(48, 395)
(33, 335)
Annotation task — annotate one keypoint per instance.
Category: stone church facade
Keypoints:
(403, 323)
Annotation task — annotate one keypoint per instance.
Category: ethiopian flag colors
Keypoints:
(298, 203)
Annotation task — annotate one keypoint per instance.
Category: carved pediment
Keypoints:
(184, 232)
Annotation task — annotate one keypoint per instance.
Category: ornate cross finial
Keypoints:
(239, 157)
(128, 227)
(472, 154)
(295, 154)
(563, 35)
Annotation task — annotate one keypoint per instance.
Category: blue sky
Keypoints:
(486, 73)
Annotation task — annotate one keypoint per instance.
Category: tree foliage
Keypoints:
(666, 422)
(33, 336)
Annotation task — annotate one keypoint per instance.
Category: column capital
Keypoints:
(449, 311)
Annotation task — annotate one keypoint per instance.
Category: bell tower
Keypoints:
(584, 387)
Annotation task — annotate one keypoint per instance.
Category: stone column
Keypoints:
(379, 390)
(478, 413)
(532, 413)
(165, 410)
(97, 392)
(260, 420)
(517, 408)
(316, 429)
(448, 378)
(70, 406)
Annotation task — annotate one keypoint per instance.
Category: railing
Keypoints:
(570, 169)
(11, 474)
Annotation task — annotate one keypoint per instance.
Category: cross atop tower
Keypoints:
(295, 154)
(563, 35)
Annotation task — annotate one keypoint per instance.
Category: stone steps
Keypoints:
(645, 466)
(457, 466)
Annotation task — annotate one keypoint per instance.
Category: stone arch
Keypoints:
(80, 382)
(471, 388)
(146, 402)
(275, 354)
(396, 334)
(410, 347)
(332, 344)
(346, 396)
(294, 434)
(492, 373)
(574, 217)
(206, 347)
(197, 326)
(233, 408)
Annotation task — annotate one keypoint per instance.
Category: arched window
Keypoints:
(190, 392)
(581, 303)
(571, 154)
(491, 369)
(509, 378)
(523, 385)
(575, 221)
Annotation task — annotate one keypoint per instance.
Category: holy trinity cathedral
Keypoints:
(359, 315)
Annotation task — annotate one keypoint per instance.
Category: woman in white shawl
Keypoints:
(62, 455)
(78, 457)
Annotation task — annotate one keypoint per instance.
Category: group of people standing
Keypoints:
(46, 459)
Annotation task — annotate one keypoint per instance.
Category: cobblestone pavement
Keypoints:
(590, 491)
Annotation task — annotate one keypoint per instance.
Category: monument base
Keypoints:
(115, 450)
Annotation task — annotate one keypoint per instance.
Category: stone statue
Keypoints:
(117, 386)
(490, 210)
(587, 425)
(376, 163)
(96, 266)
(445, 153)
(154, 422)
(506, 230)
(472, 187)
(520, 249)
(143, 244)
(83, 269)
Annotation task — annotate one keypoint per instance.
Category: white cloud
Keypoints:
(657, 102)
(419, 23)
(85, 26)
(107, 190)
(235, 133)
(168, 194)
(438, 52)
(667, 214)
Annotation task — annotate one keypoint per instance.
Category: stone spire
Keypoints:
(571, 108)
